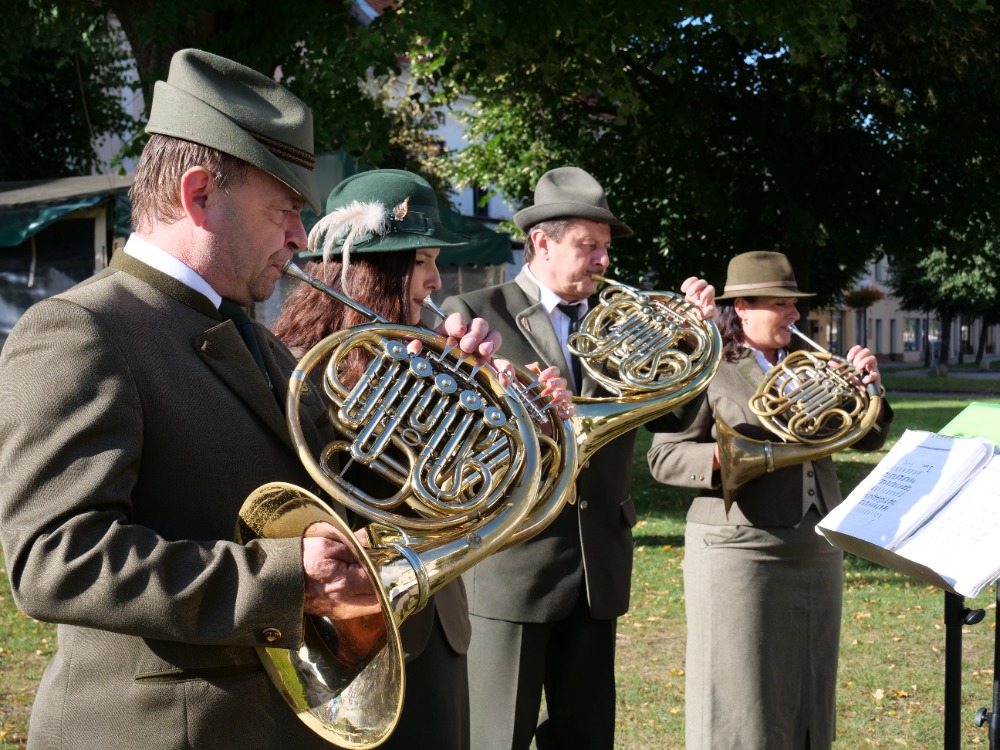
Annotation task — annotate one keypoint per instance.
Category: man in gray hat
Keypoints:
(544, 612)
(141, 408)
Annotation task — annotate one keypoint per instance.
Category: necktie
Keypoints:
(233, 311)
(573, 313)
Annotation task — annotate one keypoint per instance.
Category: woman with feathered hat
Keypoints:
(378, 243)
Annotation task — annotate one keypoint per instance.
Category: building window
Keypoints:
(480, 202)
(911, 335)
(833, 332)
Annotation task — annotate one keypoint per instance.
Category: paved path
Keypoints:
(907, 370)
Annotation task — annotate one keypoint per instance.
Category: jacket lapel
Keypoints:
(220, 347)
(749, 370)
(536, 326)
(223, 350)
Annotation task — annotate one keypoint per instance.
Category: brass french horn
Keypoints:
(480, 465)
(474, 461)
(813, 401)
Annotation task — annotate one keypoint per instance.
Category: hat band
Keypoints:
(414, 222)
(760, 285)
(286, 151)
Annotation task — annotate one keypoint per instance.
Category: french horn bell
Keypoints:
(815, 404)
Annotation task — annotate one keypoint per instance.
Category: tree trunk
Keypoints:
(981, 346)
(152, 44)
(946, 319)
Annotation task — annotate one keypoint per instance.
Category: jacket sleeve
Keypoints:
(71, 443)
(458, 305)
(683, 448)
(877, 436)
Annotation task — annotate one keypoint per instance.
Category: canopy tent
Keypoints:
(27, 208)
(53, 234)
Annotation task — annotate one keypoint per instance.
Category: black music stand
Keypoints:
(986, 716)
(955, 616)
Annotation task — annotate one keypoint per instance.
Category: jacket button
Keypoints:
(812, 492)
(809, 473)
(271, 635)
(586, 464)
(583, 505)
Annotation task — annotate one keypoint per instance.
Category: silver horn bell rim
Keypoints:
(360, 661)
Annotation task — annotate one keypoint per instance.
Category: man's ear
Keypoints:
(540, 241)
(197, 184)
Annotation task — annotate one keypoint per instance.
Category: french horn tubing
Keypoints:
(472, 460)
(480, 465)
(815, 404)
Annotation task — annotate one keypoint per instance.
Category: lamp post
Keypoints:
(864, 284)
(927, 340)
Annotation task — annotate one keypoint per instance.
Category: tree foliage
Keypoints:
(60, 64)
(345, 70)
(830, 131)
(834, 131)
(963, 279)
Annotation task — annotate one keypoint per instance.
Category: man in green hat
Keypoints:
(544, 612)
(142, 407)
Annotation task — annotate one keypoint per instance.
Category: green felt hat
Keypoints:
(380, 211)
(761, 274)
(221, 104)
(569, 193)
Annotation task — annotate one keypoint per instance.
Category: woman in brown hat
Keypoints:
(379, 244)
(762, 589)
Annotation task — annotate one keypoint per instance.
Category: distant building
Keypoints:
(895, 334)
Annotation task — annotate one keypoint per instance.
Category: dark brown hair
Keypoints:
(155, 191)
(379, 281)
(731, 330)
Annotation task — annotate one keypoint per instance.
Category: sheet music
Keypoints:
(921, 472)
(962, 541)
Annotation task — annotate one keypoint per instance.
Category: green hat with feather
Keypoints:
(380, 211)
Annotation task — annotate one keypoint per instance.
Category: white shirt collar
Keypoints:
(550, 300)
(163, 261)
(762, 360)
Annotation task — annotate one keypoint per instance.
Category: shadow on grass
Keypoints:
(658, 540)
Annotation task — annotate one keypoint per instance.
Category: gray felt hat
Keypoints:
(221, 104)
(569, 193)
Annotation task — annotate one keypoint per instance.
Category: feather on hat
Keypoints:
(383, 210)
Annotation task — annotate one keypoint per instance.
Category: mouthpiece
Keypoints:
(433, 307)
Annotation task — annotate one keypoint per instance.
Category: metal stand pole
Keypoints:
(984, 716)
(955, 616)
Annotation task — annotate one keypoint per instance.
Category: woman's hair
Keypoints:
(379, 281)
(730, 329)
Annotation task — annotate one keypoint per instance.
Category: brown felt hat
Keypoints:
(221, 104)
(569, 193)
(761, 274)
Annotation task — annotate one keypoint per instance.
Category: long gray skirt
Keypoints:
(763, 633)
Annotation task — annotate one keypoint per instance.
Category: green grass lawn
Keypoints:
(891, 679)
